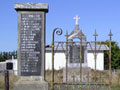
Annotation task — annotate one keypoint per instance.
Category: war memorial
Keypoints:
(31, 46)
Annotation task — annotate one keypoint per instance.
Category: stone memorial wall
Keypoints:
(31, 46)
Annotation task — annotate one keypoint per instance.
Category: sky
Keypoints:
(101, 15)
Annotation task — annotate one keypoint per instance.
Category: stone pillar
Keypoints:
(31, 46)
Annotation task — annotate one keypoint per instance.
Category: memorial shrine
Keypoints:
(82, 55)
(74, 51)
(74, 56)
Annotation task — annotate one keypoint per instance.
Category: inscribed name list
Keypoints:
(30, 46)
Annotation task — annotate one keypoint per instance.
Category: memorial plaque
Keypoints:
(75, 54)
(30, 44)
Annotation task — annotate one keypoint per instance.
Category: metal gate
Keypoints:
(93, 79)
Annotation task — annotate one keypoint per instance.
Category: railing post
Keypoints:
(6, 80)
(81, 60)
(95, 57)
(58, 32)
(110, 76)
(67, 60)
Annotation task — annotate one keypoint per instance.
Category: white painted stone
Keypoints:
(77, 19)
(99, 61)
(60, 60)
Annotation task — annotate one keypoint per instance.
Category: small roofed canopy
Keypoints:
(77, 32)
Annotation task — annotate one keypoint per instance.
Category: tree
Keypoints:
(115, 55)
(7, 55)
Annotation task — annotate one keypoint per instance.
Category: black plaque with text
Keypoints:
(75, 54)
(30, 44)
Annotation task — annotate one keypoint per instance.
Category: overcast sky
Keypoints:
(101, 15)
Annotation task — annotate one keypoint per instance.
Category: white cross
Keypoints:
(76, 18)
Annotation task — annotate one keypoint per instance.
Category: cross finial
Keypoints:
(95, 34)
(110, 34)
(76, 18)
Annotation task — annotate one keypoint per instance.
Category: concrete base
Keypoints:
(30, 83)
(84, 87)
(75, 71)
